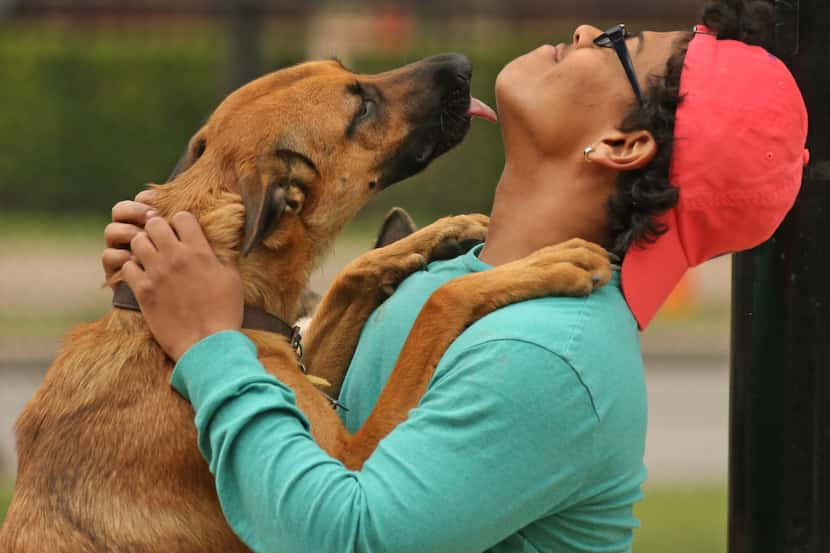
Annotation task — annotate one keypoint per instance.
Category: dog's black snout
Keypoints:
(438, 101)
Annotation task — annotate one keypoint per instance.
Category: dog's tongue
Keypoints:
(480, 109)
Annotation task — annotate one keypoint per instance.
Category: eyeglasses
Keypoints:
(615, 38)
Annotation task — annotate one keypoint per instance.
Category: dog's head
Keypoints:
(306, 147)
(287, 159)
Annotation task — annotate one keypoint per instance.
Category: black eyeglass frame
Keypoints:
(615, 38)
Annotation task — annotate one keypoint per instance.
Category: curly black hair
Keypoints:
(642, 195)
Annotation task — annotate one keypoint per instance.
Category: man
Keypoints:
(531, 434)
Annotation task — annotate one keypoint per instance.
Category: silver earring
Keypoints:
(587, 152)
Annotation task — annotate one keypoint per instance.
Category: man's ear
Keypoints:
(195, 148)
(625, 151)
(396, 225)
(276, 185)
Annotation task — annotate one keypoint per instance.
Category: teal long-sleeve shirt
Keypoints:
(529, 438)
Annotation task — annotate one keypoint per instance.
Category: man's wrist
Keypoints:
(186, 343)
(215, 352)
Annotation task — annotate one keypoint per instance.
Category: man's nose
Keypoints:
(584, 36)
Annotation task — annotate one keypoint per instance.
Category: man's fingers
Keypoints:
(145, 196)
(161, 234)
(189, 230)
(143, 249)
(135, 213)
(135, 276)
(119, 235)
(112, 259)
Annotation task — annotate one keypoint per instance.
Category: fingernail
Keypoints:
(152, 213)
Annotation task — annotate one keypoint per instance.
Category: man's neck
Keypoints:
(541, 204)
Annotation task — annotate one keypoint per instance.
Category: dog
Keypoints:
(107, 450)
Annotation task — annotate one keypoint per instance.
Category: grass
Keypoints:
(42, 228)
(677, 519)
(682, 520)
(25, 323)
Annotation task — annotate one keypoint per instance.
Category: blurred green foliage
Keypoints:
(92, 114)
(88, 118)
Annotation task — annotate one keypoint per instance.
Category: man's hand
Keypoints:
(128, 219)
(184, 291)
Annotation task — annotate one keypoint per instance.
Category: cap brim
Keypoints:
(651, 271)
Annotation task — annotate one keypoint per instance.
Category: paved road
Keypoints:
(688, 423)
(688, 415)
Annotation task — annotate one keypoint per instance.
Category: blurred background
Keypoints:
(99, 98)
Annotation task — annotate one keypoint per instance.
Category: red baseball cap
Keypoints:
(738, 160)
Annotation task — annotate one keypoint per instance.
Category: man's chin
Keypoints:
(515, 77)
(511, 93)
(509, 73)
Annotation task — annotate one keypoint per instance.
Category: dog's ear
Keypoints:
(264, 201)
(396, 225)
(277, 185)
(195, 149)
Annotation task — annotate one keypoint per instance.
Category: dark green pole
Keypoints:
(779, 465)
(245, 20)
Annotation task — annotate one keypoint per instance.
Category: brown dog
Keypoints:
(107, 451)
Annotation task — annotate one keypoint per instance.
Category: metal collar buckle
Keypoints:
(297, 346)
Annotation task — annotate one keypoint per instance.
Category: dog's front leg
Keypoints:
(335, 328)
(573, 268)
(367, 281)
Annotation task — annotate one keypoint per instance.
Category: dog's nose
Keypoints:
(451, 70)
(463, 67)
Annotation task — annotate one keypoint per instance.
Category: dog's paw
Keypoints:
(381, 269)
(396, 268)
(573, 268)
(384, 268)
(458, 234)
(447, 237)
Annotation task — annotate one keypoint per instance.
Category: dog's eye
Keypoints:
(366, 109)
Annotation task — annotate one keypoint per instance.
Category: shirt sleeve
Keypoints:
(502, 437)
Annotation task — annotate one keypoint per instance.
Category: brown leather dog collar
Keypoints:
(254, 318)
